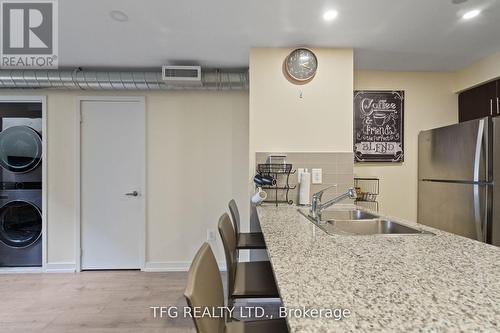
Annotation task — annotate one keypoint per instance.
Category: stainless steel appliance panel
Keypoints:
(20, 145)
(495, 222)
(457, 208)
(20, 228)
(458, 152)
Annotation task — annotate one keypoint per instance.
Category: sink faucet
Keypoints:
(317, 206)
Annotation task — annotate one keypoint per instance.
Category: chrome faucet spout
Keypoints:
(317, 206)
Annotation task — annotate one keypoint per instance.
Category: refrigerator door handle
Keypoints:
(477, 153)
(477, 164)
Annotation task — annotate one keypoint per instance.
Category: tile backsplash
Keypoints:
(337, 169)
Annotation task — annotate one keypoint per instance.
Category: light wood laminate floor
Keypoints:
(100, 301)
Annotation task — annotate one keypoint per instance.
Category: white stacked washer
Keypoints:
(20, 184)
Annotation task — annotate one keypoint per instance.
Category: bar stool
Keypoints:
(245, 240)
(204, 290)
(254, 279)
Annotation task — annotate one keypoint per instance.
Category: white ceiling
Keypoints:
(386, 34)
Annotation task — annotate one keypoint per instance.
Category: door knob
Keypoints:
(132, 194)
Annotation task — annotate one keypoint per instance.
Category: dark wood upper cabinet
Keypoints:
(478, 102)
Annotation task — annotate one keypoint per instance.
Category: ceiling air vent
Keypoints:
(182, 74)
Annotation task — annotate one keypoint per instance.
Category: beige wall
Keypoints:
(429, 102)
(477, 73)
(280, 120)
(197, 162)
(286, 117)
(197, 159)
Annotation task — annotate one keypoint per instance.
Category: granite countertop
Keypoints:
(424, 283)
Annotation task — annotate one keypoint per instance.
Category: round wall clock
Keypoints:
(301, 64)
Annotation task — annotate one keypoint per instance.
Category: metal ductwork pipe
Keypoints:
(215, 79)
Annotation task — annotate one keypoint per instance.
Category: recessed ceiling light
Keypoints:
(458, 2)
(471, 14)
(330, 15)
(118, 16)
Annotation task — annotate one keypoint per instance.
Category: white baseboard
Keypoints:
(60, 267)
(15, 270)
(173, 266)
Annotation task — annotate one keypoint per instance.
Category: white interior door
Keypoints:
(112, 165)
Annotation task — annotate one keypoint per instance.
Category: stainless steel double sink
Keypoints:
(359, 222)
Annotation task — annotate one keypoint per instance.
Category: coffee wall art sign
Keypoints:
(378, 126)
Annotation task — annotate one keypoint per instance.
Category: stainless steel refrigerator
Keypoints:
(457, 169)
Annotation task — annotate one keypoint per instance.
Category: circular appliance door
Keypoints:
(20, 149)
(20, 224)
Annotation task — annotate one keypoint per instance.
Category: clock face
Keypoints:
(301, 64)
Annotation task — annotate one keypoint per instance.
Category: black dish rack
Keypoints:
(367, 188)
(281, 173)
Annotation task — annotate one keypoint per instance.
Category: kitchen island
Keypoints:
(399, 283)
